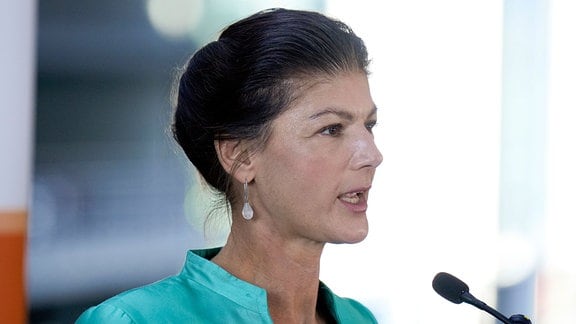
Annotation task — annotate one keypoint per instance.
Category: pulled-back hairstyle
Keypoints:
(234, 87)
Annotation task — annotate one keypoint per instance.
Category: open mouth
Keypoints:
(353, 197)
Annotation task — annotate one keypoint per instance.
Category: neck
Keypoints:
(287, 269)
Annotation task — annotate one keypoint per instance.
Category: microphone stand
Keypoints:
(520, 319)
(514, 319)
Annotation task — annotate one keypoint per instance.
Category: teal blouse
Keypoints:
(203, 292)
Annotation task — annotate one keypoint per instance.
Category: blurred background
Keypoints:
(476, 112)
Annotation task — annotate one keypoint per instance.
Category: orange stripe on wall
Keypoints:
(12, 252)
(12, 221)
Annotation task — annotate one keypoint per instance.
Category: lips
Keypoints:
(352, 197)
(356, 200)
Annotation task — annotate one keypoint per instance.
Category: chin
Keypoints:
(359, 238)
(358, 233)
(351, 238)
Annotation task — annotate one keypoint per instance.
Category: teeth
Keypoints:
(352, 198)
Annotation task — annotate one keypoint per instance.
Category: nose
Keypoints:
(366, 153)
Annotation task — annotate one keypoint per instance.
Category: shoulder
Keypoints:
(141, 305)
(105, 313)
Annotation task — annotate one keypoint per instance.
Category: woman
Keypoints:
(276, 116)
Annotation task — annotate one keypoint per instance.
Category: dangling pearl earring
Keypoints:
(247, 211)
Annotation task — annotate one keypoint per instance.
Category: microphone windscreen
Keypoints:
(449, 287)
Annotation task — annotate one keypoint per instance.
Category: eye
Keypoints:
(370, 125)
(332, 130)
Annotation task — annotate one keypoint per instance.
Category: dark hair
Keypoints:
(234, 87)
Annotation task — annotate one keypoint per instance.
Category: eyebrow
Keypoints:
(340, 113)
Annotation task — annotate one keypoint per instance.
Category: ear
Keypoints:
(235, 159)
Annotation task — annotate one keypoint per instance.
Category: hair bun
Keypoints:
(202, 102)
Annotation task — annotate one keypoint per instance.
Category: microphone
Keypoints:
(456, 291)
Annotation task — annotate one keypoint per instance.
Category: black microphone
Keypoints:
(456, 291)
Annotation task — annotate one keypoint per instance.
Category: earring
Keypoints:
(247, 211)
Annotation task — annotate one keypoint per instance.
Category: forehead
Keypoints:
(347, 92)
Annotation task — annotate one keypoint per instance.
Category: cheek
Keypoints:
(311, 177)
(309, 165)
(295, 174)
(301, 169)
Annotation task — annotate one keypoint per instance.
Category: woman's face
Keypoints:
(313, 176)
